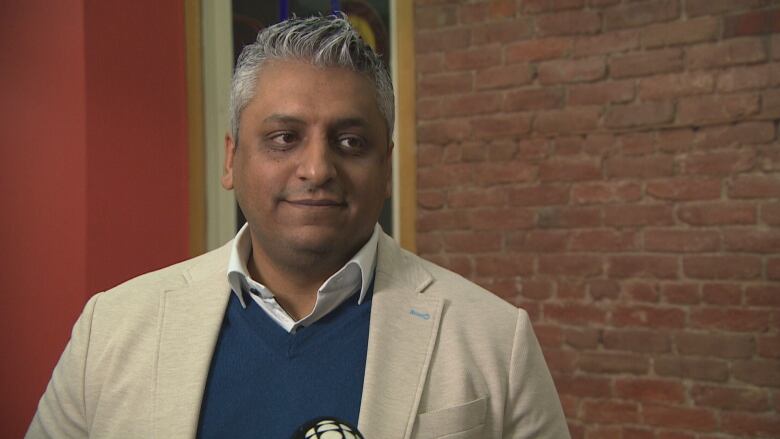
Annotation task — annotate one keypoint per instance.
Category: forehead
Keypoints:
(299, 88)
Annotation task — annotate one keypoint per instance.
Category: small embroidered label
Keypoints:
(422, 315)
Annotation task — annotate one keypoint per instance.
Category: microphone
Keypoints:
(327, 428)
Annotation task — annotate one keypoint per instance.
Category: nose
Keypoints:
(316, 164)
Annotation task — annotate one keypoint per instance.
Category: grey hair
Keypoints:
(322, 41)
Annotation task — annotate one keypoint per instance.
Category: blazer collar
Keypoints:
(404, 327)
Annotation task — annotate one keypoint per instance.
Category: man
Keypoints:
(311, 310)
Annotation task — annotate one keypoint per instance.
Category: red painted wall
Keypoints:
(93, 170)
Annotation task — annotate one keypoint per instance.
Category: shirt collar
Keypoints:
(240, 280)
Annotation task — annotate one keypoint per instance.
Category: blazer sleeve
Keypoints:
(533, 409)
(62, 408)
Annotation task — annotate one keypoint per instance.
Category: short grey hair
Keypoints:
(322, 41)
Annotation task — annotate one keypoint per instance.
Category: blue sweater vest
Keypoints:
(265, 382)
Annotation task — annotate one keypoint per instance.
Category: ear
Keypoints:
(389, 159)
(230, 153)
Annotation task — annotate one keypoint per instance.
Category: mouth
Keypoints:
(312, 202)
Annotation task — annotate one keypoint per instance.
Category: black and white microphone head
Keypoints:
(327, 428)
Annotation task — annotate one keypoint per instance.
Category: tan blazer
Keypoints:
(445, 358)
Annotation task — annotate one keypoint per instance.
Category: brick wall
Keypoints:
(613, 167)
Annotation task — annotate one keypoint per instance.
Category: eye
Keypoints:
(282, 139)
(352, 144)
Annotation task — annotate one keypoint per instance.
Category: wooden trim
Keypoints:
(406, 124)
(197, 168)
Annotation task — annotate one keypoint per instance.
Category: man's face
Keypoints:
(312, 168)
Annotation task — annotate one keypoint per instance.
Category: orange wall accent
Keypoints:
(93, 170)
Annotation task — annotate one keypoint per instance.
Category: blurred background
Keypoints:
(611, 166)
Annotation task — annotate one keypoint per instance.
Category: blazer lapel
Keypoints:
(402, 334)
(191, 320)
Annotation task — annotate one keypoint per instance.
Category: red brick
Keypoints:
(775, 43)
(568, 71)
(429, 63)
(503, 77)
(763, 295)
(726, 53)
(533, 149)
(442, 176)
(712, 214)
(643, 341)
(604, 241)
(607, 43)
(568, 145)
(758, 372)
(428, 243)
(536, 290)
(597, 431)
(583, 386)
(534, 99)
(469, 104)
(472, 242)
(730, 398)
(476, 198)
(640, 14)
(709, 109)
(770, 214)
(639, 115)
(545, 195)
(646, 63)
(601, 93)
(473, 152)
(641, 433)
(732, 136)
(770, 103)
(681, 293)
(650, 390)
(574, 314)
(570, 170)
(500, 126)
(773, 268)
(570, 289)
(648, 317)
(753, 425)
(568, 23)
(505, 32)
(610, 363)
(769, 346)
(676, 85)
(676, 140)
(680, 417)
(695, 8)
(428, 154)
(473, 58)
(581, 338)
(641, 291)
(695, 368)
(536, 6)
(640, 167)
(720, 163)
(441, 40)
(537, 50)
(610, 412)
(599, 289)
(444, 84)
(570, 265)
(495, 9)
(428, 109)
(730, 319)
(752, 241)
(755, 186)
(559, 360)
(684, 189)
(506, 265)
(640, 143)
(715, 345)
(752, 23)
(435, 17)
(722, 294)
(722, 267)
(638, 215)
(501, 219)
(681, 241)
(570, 217)
(576, 120)
(681, 32)
(608, 192)
(431, 200)
(744, 78)
(643, 266)
(507, 172)
(428, 221)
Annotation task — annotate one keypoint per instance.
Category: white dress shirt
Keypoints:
(355, 275)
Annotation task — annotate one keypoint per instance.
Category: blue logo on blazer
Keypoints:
(422, 315)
